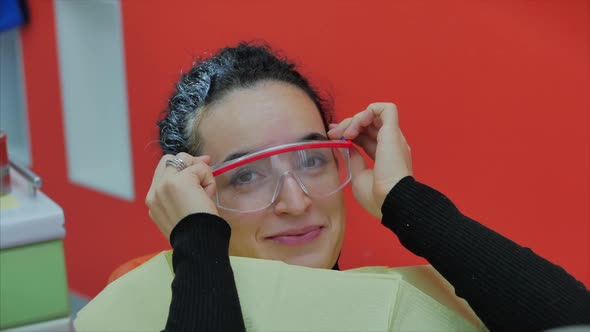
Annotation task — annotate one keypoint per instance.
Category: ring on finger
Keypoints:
(177, 163)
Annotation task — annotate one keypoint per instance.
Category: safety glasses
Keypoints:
(253, 182)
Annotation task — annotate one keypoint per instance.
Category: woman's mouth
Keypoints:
(298, 236)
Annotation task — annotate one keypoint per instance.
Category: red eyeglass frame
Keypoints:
(248, 158)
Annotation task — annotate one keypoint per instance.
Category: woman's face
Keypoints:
(250, 119)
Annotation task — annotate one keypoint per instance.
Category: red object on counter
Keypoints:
(4, 165)
(3, 150)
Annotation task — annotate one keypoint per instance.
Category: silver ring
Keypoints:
(178, 163)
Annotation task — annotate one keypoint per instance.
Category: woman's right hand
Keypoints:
(175, 194)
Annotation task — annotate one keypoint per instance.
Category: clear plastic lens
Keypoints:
(254, 186)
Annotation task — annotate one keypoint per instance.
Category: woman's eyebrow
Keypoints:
(308, 137)
(313, 137)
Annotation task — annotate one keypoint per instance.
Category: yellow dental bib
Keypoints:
(274, 296)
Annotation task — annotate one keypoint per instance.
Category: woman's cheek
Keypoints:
(244, 232)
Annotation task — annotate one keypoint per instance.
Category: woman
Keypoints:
(245, 99)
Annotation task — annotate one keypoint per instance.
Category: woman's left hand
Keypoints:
(377, 131)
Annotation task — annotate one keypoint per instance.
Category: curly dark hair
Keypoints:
(212, 78)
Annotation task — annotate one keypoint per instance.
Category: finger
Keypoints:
(170, 170)
(191, 160)
(357, 162)
(336, 132)
(330, 127)
(202, 173)
(178, 194)
(359, 121)
(386, 112)
(188, 160)
(370, 124)
(161, 167)
(372, 132)
(352, 130)
(368, 144)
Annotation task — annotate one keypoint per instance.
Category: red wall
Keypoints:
(493, 98)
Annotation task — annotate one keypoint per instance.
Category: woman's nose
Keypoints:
(291, 198)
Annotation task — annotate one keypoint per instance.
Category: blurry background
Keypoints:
(493, 98)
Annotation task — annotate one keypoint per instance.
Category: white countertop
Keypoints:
(34, 219)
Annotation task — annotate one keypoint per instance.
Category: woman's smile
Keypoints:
(298, 236)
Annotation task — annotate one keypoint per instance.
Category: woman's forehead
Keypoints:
(255, 118)
(248, 150)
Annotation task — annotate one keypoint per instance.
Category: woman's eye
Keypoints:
(314, 162)
(244, 177)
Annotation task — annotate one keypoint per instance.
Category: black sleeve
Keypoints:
(204, 293)
(508, 286)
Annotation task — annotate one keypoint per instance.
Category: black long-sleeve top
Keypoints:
(508, 286)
